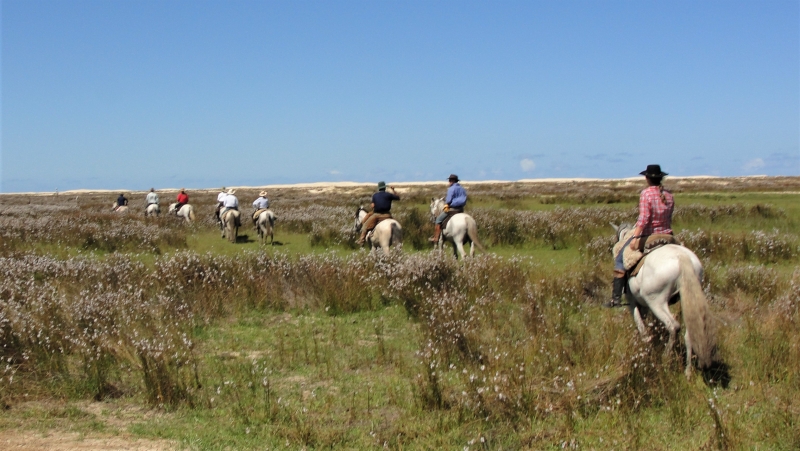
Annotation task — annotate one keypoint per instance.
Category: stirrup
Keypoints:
(613, 303)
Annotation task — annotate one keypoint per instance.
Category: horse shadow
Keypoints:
(244, 239)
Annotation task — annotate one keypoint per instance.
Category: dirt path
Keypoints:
(73, 441)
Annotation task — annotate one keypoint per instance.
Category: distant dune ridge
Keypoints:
(319, 187)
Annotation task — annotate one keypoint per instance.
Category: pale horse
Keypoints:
(186, 212)
(152, 210)
(229, 223)
(116, 209)
(670, 274)
(461, 229)
(265, 225)
(388, 233)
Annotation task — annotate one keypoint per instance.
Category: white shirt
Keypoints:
(221, 196)
(261, 202)
(152, 198)
(230, 201)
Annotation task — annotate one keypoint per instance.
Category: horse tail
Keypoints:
(272, 218)
(191, 214)
(695, 313)
(472, 233)
(397, 234)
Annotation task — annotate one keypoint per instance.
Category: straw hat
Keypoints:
(231, 191)
(263, 194)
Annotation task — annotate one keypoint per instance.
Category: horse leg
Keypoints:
(662, 313)
(458, 249)
(637, 319)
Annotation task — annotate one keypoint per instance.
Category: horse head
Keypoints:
(437, 206)
(360, 213)
(172, 209)
(621, 229)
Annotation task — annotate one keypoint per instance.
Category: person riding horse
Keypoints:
(220, 198)
(230, 202)
(121, 201)
(262, 203)
(655, 217)
(152, 198)
(183, 199)
(381, 209)
(455, 201)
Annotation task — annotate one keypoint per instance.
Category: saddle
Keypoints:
(633, 260)
(258, 213)
(450, 213)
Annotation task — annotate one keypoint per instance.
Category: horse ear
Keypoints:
(616, 227)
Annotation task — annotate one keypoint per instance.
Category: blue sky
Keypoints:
(134, 94)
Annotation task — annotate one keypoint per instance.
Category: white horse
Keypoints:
(461, 229)
(119, 209)
(388, 233)
(265, 225)
(230, 227)
(669, 274)
(152, 210)
(186, 212)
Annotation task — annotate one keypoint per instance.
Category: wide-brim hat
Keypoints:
(231, 191)
(381, 185)
(653, 170)
(263, 194)
(452, 177)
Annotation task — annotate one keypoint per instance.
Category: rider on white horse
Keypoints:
(455, 201)
(381, 209)
(183, 199)
(655, 217)
(262, 203)
(151, 199)
(121, 201)
(230, 202)
(220, 198)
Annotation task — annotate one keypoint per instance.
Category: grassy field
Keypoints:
(118, 326)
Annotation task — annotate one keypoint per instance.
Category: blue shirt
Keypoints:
(383, 201)
(456, 196)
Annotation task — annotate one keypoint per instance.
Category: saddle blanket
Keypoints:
(634, 259)
(450, 213)
(258, 213)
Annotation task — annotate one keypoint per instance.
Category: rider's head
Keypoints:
(152, 190)
(452, 179)
(263, 194)
(653, 174)
(381, 186)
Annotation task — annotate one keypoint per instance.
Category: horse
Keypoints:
(119, 208)
(186, 212)
(461, 229)
(670, 274)
(230, 227)
(388, 233)
(265, 223)
(152, 210)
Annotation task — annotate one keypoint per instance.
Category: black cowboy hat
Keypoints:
(653, 170)
(452, 177)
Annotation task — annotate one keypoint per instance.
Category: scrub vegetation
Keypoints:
(316, 344)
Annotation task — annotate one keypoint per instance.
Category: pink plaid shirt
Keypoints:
(655, 216)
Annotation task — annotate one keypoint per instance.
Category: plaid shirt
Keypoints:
(655, 216)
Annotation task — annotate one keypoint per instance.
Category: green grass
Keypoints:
(280, 369)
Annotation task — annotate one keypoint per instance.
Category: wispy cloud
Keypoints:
(334, 172)
(755, 163)
(527, 164)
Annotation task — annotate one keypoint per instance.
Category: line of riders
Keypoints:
(656, 205)
(226, 201)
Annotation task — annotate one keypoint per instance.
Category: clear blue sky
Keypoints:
(134, 94)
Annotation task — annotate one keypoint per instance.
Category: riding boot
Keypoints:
(437, 231)
(616, 294)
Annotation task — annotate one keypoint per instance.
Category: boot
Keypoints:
(616, 294)
(437, 231)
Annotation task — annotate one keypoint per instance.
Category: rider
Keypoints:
(152, 198)
(262, 203)
(655, 216)
(220, 198)
(230, 202)
(183, 199)
(381, 209)
(454, 202)
(121, 201)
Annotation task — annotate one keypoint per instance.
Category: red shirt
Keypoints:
(655, 215)
(183, 198)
